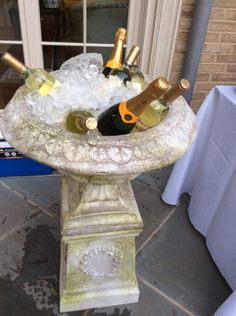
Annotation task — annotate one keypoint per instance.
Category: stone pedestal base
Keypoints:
(99, 225)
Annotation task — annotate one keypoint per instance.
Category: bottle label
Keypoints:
(113, 64)
(127, 116)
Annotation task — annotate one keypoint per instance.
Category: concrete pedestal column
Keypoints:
(99, 225)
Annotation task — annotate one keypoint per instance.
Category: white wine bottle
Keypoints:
(124, 72)
(116, 58)
(121, 118)
(80, 121)
(137, 77)
(36, 79)
(158, 109)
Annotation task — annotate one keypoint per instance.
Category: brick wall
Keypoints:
(218, 59)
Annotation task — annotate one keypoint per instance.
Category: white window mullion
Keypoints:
(84, 26)
(31, 32)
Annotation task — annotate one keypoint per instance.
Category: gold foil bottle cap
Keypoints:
(132, 56)
(178, 89)
(14, 63)
(158, 87)
(121, 33)
(91, 123)
(184, 84)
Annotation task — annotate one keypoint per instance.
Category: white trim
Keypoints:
(153, 26)
(10, 42)
(84, 25)
(76, 44)
(31, 32)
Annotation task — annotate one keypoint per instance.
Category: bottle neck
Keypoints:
(133, 108)
(115, 60)
(172, 94)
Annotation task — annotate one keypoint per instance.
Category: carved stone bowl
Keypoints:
(116, 157)
(99, 215)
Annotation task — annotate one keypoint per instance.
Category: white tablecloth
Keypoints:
(208, 173)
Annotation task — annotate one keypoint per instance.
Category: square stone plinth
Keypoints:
(99, 225)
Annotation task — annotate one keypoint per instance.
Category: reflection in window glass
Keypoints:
(104, 17)
(9, 20)
(54, 56)
(10, 80)
(62, 20)
(59, 23)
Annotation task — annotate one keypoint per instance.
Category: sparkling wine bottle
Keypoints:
(36, 79)
(137, 77)
(158, 109)
(124, 72)
(80, 121)
(116, 59)
(121, 118)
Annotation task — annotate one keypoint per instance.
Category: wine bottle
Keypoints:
(116, 59)
(121, 118)
(158, 109)
(35, 79)
(80, 121)
(137, 77)
(124, 72)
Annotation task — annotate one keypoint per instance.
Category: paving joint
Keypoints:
(157, 229)
(169, 299)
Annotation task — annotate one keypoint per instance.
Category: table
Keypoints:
(208, 173)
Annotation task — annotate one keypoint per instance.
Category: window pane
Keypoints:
(104, 17)
(59, 22)
(54, 56)
(9, 20)
(105, 51)
(9, 79)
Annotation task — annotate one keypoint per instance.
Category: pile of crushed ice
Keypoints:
(83, 86)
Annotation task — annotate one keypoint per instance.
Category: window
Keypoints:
(47, 32)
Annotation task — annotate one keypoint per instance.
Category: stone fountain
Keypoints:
(99, 214)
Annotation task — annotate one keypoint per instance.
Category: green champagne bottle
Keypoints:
(116, 58)
(36, 79)
(121, 118)
(158, 109)
(124, 72)
(80, 121)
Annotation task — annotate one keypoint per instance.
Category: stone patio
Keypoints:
(175, 271)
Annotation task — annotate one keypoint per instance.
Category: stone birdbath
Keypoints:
(99, 214)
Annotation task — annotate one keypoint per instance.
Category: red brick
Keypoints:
(208, 58)
(224, 3)
(176, 67)
(226, 58)
(203, 76)
(188, 2)
(231, 15)
(187, 11)
(218, 48)
(204, 86)
(197, 95)
(182, 36)
(212, 37)
(181, 47)
(217, 14)
(226, 77)
(222, 26)
(195, 105)
(178, 58)
(211, 67)
(231, 68)
(185, 24)
(174, 76)
(228, 37)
